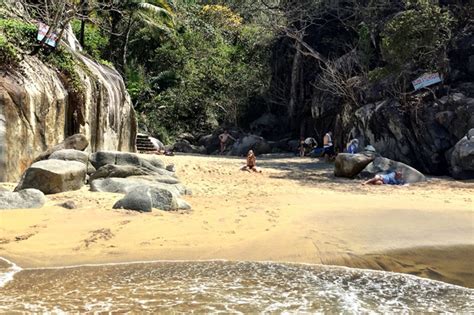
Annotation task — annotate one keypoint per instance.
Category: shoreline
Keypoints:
(295, 212)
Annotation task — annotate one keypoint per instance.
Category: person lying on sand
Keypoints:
(392, 178)
(251, 163)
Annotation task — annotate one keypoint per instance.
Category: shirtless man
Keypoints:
(328, 145)
(223, 138)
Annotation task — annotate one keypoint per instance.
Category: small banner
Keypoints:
(426, 80)
(42, 31)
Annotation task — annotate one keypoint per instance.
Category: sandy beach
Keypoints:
(295, 211)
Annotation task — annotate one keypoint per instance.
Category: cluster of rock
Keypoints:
(146, 182)
(368, 164)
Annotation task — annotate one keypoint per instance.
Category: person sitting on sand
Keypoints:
(251, 163)
(392, 178)
(352, 146)
(223, 138)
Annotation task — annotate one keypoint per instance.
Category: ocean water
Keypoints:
(223, 287)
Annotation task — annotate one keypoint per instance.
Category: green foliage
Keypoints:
(203, 75)
(65, 62)
(8, 53)
(18, 32)
(95, 42)
(419, 35)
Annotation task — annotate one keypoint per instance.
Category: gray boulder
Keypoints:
(24, 199)
(151, 163)
(349, 165)
(122, 171)
(183, 204)
(384, 165)
(125, 185)
(73, 155)
(186, 147)
(53, 176)
(76, 142)
(144, 198)
(461, 158)
(250, 142)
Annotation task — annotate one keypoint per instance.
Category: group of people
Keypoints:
(310, 146)
(307, 145)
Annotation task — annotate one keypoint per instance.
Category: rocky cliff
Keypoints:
(38, 108)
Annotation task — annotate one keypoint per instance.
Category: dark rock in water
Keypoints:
(349, 165)
(384, 165)
(124, 185)
(144, 198)
(151, 163)
(68, 204)
(73, 155)
(461, 157)
(23, 199)
(53, 176)
(250, 142)
(111, 170)
(185, 147)
(76, 142)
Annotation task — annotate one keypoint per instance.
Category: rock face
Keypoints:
(74, 155)
(461, 158)
(186, 147)
(143, 198)
(384, 165)
(38, 111)
(76, 142)
(53, 176)
(24, 199)
(121, 171)
(349, 165)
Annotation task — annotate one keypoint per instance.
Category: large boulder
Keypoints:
(24, 199)
(73, 155)
(186, 147)
(125, 185)
(76, 142)
(144, 198)
(53, 176)
(151, 163)
(250, 142)
(384, 165)
(111, 170)
(461, 158)
(349, 165)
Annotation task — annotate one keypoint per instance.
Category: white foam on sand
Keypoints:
(8, 274)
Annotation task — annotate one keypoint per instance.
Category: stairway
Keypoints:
(144, 144)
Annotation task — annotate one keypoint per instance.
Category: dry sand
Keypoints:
(296, 211)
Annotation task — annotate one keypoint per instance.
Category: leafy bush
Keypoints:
(65, 62)
(18, 32)
(94, 41)
(8, 53)
(419, 34)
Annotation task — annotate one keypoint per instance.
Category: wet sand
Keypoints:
(296, 211)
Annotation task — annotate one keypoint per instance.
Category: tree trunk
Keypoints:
(294, 85)
(125, 43)
(84, 5)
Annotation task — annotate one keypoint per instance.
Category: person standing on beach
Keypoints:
(223, 138)
(328, 145)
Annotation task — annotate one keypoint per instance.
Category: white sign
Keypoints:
(426, 80)
(42, 31)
